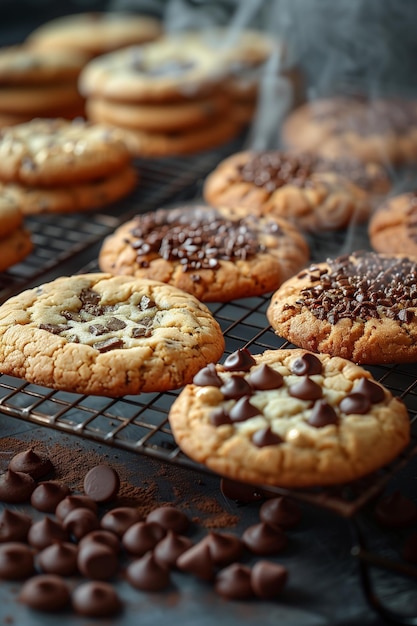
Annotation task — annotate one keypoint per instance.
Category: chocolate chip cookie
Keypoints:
(103, 335)
(289, 418)
(361, 306)
(393, 227)
(215, 254)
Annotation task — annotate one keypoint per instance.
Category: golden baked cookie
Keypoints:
(20, 65)
(72, 198)
(361, 306)
(39, 100)
(103, 335)
(393, 227)
(48, 152)
(14, 247)
(378, 130)
(217, 255)
(290, 186)
(94, 33)
(289, 418)
(11, 216)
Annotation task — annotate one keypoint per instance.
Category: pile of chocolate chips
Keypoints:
(74, 539)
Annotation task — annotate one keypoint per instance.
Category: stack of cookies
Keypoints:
(15, 240)
(61, 166)
(36, 83)
(168, 96)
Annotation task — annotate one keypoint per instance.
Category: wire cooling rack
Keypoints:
(140, 423)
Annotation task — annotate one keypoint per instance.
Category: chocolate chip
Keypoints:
(240, 360)
(16, 486)
(112, 343)
(14, 525)
(306, 365)
(59, 558)
(323, 414)
(268, 579)
(101, 483)
(265, 437)
(46, 531)
(265, 377)
(371, 390)
(114, 323)
(208, 377)
(96, 599)
(170, 548)
(280, 511)
(16, 561)
(305, 389)
(219, 416)
(236, 387)
(243, 410)
(148, 574)
(46, 496)
(29, 462)
(142, 536)
(80, 522)
(97, 560)
(121, 518)
(240, 492)
(355, 403)
(69, 503)
(105, 537)
(263, 539)
(46, 592)
(234, 582)
(197, 561)
(224, 547)
(170, 518)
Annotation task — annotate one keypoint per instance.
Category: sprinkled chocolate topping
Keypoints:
(196, 238)
(363, 285)
(273, 169)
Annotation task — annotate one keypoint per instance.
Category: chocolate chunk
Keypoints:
(97, 329)
(218, 417)
(224, 547)
(46, 592)
(305, 389)
(234, 582)
(142, 536)
(96, 560)
(306, 365)
(96, 599)
(240, 492)
(395, 511)
(121, 518)
(197, 561)
(55, 329)
(243, 410)
(146, 303)
(14, 525)
(141, 331)
(148, 574)
(102, 536)
(59, 558)
(236, 387)
(112, 343)
(101, 483)
(48, 495)
(355, 403)
(170, 548)
(280, 511)
(114, 323)
(208, 377)
(170, 518)
(29, 462)
(80, 522)
(240, 360)
(322, 415)
(16, 486)
(371, 390)
(264, 539)
(268, 579)
(69, 503)
(409, 549)
(46, 531)
(265, 377)
(265, 437)
(16, 561)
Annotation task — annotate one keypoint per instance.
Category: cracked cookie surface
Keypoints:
(104, 335)
(289, 418)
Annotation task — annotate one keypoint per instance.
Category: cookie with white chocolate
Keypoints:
(103, 335)
(289, 418)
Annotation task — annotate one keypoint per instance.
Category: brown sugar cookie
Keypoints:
(94, 32)
(48, 152)
(14, 247)
(76, 197)
(290, 186)
(393, 227)
(379, 130)
(215, 254)
(289, 418)
(361, 306)
(104, 335)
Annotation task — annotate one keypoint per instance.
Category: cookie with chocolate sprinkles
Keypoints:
(360, 306)
(216, 254)
(107, 335)
(289, 418)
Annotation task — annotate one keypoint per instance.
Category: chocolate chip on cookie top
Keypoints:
(362, 285)
(198, 239)
(273, 169)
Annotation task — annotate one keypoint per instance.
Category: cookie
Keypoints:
(103, 335)
(170, 69)
(72, 198)
(48, 152)
(289, 418)
(380, 130)
(280, 184)
(40, 100)
(94, 33)
(393, 227)
(215, 254)
(23, 66)
(155, 144)
(361, 306)
(11, 216)
(14, 247)
(159, 118)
